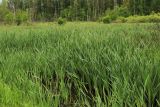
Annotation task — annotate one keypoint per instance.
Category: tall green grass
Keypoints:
(80, 65)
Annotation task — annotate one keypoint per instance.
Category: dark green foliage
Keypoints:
(67, 13)
(83, 10)
(9, 18)
(122, 11)
(122, 15)
(3, 13)
(107, 19)
(61, 21)
(112, 15)
(21, 16)
(143, 7)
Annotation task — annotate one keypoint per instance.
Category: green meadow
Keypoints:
(80, 65)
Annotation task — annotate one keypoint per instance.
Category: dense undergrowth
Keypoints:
(122, 15)
(82, 65)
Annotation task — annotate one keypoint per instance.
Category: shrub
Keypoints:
(3, 13)
(137, 19)
(121, 20)
(67, 13)
(61, 21)
(107, 19)
(21, 16)
(9, 18)
(144, 19)
(123, 11)
(112, 15)
(154, 18)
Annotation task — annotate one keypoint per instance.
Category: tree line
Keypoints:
(73, 10)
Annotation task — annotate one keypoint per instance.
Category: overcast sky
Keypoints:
(0, 1)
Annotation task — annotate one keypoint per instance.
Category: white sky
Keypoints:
(0, 1)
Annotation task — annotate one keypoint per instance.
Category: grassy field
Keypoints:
(80, 65)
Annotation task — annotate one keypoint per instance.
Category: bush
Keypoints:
(107, 19)
(112, 15)
(3, 13)
(154, 19)
(61, 21)
(9, 18)
(137, 19)
(123, 12)
(21, 16)
(144, 19)
(121, 20)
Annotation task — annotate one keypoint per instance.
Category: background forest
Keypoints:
(73, 10)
